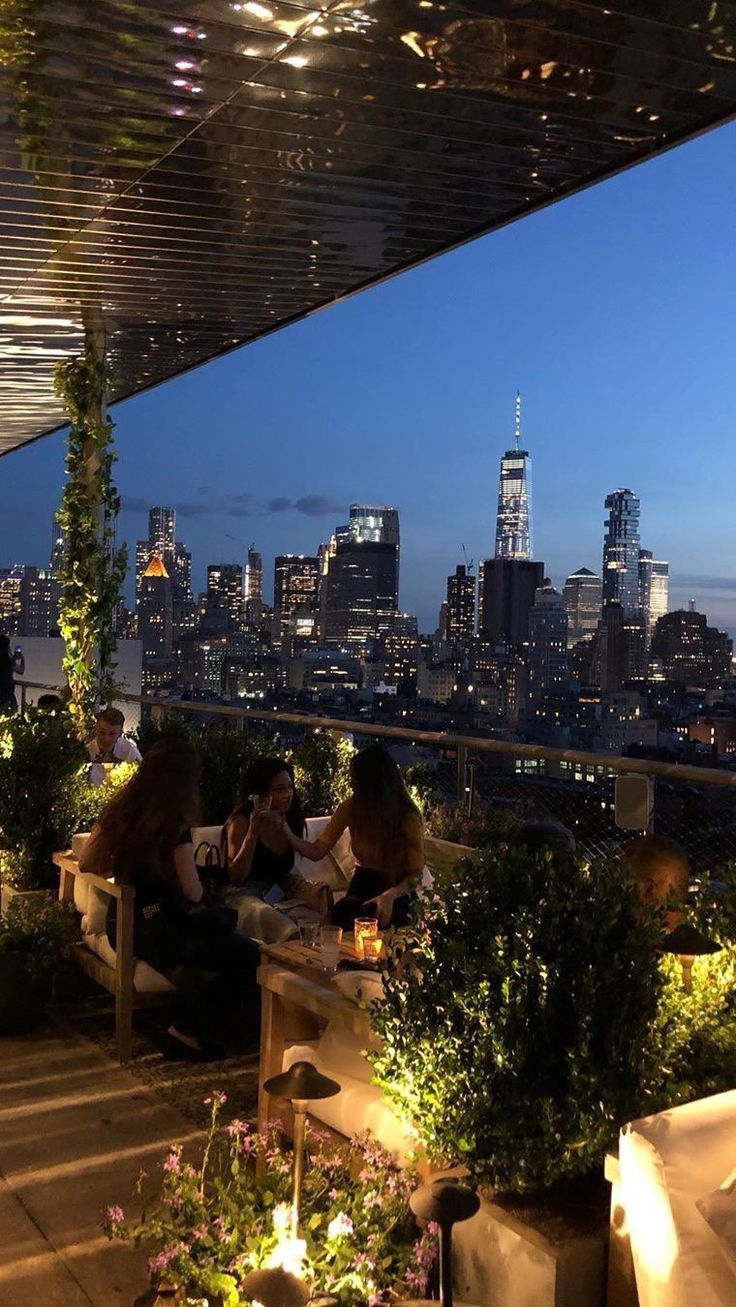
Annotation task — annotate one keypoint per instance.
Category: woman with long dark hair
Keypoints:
(144, 839)
(258, 852)
(387, 836)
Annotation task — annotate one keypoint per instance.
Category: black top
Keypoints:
(267, 868)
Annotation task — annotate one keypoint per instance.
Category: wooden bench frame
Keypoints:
(117, 980)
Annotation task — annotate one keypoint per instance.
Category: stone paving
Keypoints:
(75, 1132)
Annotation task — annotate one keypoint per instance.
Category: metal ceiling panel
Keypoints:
(198, 174)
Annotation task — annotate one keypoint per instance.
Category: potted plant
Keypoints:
(518, 1034)
(34, 937)
(41, 765)
(210, 1224)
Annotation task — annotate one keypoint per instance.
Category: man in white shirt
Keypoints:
(110, 746)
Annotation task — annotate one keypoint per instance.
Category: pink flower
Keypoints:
(159, 1263)
(217, 1098)
(172, 1164)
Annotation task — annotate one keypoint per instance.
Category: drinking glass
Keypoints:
(373, 948)
(308, 931)
(365, 928)
(330, 938)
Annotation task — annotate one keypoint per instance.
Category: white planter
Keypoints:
(8, 893)
(499, 1259)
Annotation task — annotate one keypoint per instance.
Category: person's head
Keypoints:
(660, 869)
(49, 702)
(381, 800)
(272, 778)
(538, 836)
(141, 826)
(108, 728)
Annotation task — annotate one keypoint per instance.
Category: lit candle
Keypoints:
(372, 948)
(365, 928)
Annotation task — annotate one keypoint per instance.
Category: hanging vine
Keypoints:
(93, 571)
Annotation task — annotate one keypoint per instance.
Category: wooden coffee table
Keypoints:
(298, 999)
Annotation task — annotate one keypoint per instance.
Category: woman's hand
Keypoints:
(383, 906)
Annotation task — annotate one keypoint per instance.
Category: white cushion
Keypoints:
(344, 1052)
(206, 835)
(145, 979)
(92, 903)
(359, 986)
(78, 842)
(258, 920)
(668, 1162)
(336, 867)
(358, 1107)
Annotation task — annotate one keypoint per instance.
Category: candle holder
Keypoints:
(365, 928)
(276, 1288)
(373, 949)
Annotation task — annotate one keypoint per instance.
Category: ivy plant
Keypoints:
(93, 571)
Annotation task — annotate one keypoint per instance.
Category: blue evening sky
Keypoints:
(613, 313)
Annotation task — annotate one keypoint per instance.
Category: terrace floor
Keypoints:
(75, 1132)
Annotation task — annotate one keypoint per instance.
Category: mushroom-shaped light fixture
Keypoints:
(300, 1085)
(688, 943)
(446, 1202)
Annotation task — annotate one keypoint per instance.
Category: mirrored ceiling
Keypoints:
(190, 177)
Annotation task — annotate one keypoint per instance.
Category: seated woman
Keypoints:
(144, 839)
(258, 853)
(387, 835)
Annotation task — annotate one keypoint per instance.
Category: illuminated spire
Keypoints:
(156, 567)
(517, 422)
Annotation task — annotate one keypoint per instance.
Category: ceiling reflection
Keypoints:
(205, 173)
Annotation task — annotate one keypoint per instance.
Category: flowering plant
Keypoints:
(210, 1225)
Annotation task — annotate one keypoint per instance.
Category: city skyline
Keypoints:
(405, 394)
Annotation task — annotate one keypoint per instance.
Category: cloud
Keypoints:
(704, 582)
(319, 506)
(242, 505)
(133, 504)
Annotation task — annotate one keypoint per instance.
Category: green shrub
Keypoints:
(322, 772)
(226, 752)
(92, 800)
(41, 763)
(518, 1027)
(489, 827)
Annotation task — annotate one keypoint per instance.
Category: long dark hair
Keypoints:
(141, 827)
(381, 801)
(256, 780)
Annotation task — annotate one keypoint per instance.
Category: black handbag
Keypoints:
(208, 861)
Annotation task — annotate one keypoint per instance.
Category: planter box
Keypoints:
(8, 893)
(499, 1259)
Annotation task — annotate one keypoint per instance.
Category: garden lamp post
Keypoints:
(446, 1202)
(300, 1085)
(688, 943)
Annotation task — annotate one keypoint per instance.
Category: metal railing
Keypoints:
(694, 805)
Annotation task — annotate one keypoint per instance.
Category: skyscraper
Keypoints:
(253, 587)
(654, 590)
(378, 525)
(155, 623)
(514, 518)
(295, 588)
(583, 599)
(360, 594)
(161, 533)
(460, 606)
(182, 576)
(374, 524)
(225, 587)
(621, 545)
(506, 591)
(547, 658)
